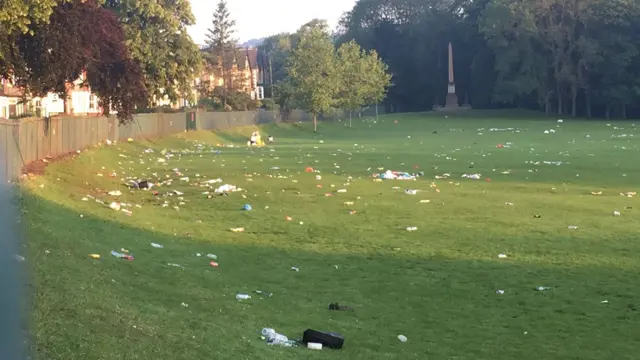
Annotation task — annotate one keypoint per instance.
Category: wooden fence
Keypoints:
(24, 141)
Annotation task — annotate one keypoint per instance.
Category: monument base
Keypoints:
(451, 104)
(452, 101)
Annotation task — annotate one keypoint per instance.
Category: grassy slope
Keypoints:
(436, 285)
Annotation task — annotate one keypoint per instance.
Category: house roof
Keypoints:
(252, 54)
(239, 56)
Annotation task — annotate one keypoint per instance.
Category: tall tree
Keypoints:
(313, 74)
(351, 76)
(220, 40)
(273, 52)
(157, 38)
(80, 37)
(376, 80)
(362, 78)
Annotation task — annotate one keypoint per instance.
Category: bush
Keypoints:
(269, 105)
(236, 101)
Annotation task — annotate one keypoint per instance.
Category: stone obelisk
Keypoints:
(452, 98)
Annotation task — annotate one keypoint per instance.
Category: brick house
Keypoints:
(11, 104)
(242, 72)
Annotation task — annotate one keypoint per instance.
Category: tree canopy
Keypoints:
(312, 72)
(320, 78)
(133, 51)
(78, 37)
(573, 58)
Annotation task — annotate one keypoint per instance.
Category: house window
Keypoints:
(93, 102)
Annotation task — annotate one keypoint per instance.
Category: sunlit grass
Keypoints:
(436, 285)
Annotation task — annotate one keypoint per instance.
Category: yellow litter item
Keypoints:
(94, 256)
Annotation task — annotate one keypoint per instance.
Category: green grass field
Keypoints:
(437, 285)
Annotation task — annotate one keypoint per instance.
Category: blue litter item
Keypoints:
(247, 207)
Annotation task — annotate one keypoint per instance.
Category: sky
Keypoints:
(260, 18)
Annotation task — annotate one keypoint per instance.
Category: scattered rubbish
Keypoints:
(237, 230)
(115, 206)
(425, 201)
(94, 256)
(243, 297)
(214, 264)
(115, 193)
(542, 288)
(184, 305)
(616, 213)
(500, 292)
(211, 256)
(338, 307)
(314, 346)
(20, 258)
(402, 338)
(247, 207)
(176, 265)
(472, 176)
(273, 338)
(262, 293)
(604, 302)
(227, 189)
(502, 256)
(157, 246)
(572, 227)
(395, 175)
(412, 228)
(121, 255)
(295, 269)
(411, 192)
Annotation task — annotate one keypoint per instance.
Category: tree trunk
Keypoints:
(559, 95)
(574, 100)
(377, 112)
(349, 118)
(608, 112)
(224, 81)
(315, 123)
(624, 111)
(588, 103)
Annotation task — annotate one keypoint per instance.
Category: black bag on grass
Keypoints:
(330, 340)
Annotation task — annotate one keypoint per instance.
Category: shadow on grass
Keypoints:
(448, 308)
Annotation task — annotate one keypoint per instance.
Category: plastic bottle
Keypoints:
(243, 297)
(273, 338)
(212, 256)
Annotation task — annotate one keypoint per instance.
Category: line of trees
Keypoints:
(578, 57)
(312, 74)
(134, 51)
